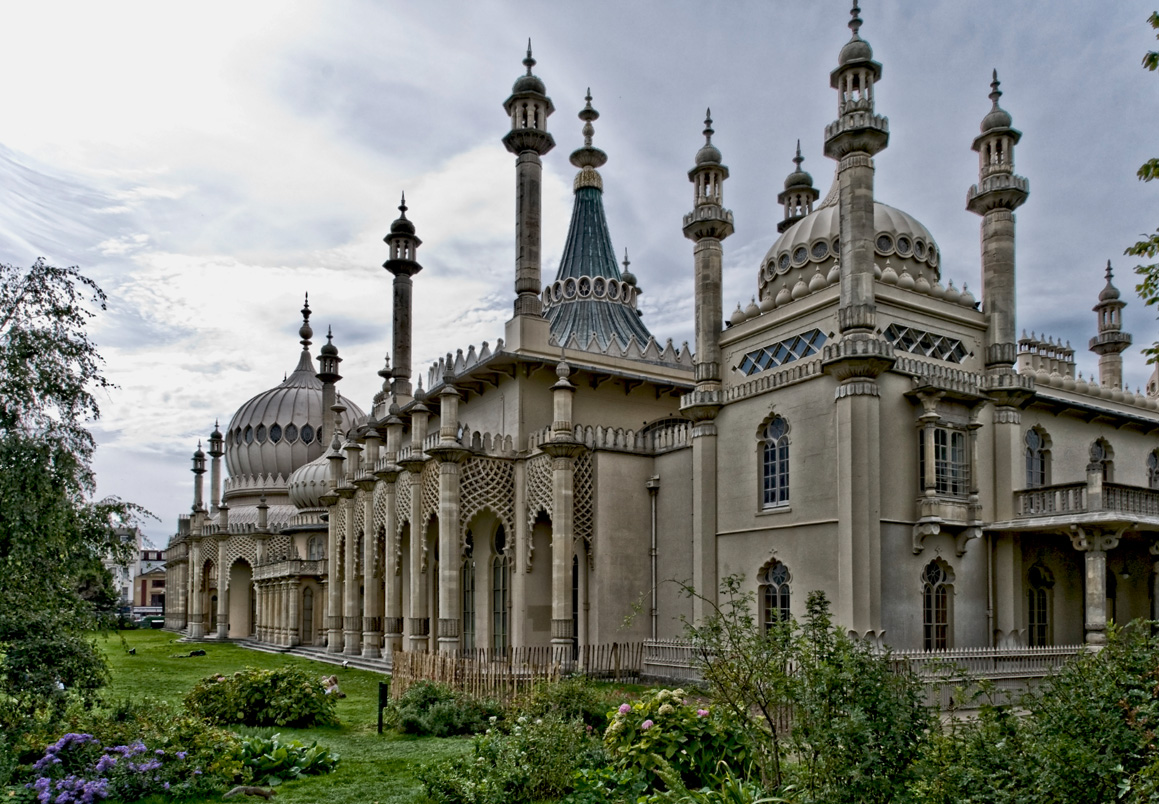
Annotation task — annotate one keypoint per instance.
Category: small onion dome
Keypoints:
(737, 316)
(708, 154)
(798, 178)
(856, 49)
(329, 349)
(309, 482)
(528, 82)
(1110, 292)
(199, 453)
(752, 311)
(402, 225)
(997, 118)
(216, 434)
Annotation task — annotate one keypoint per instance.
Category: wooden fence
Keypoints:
(504, 675)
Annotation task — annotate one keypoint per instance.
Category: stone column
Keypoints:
(259, 611)
(371, 574)
(222, 591)
(1008, 623)
(450, 455)
(351, 612)
(518, 549)
(196, 595)
(420, 623)
(392, 573)
(292, 591)
(1095, 543)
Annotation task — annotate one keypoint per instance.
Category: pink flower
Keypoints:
(625, 708)
(647, 724)
(702, 713)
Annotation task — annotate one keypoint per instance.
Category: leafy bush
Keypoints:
(664, 731)
(273, 761)
(607, 785)
(570, 698)
(435, 710)
(536, 759)
(286, 696)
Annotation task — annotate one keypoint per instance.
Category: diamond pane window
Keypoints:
(777, 354)
(929, 344)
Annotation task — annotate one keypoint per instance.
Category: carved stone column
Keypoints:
(371, 574)
(196, 593)
(351, 611)
(222, 590)
(293, 591)
(1095, 543)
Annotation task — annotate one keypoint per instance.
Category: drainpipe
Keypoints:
(653, 486)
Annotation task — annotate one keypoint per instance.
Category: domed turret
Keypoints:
(997, 118)
(799, 194)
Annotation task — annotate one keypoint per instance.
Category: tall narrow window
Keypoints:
(775, 463)
(935, 608)
(500, 582)
(774, 594)
(575, 604)
(1102, 454)
(1153, 469)
(951, 462)
(1039, 585)
(467, 586)
(1035, 459)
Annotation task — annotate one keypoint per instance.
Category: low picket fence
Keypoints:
(506, 674)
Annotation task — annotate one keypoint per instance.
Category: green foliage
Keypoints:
(287, 696)
(537, 759)
(273, 760)
(1086, 735)
(1148, 247)
(664, 732)
(435, 710)
(857, 727)
(730, 789)
(571, 698)
(607, 785)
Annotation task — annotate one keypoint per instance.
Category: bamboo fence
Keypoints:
(504, 675)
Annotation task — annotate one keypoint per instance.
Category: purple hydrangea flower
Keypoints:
(625, 708)
(647, 724)
(702, 713)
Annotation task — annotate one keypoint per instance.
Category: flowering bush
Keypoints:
(536, 759)
(77, 769)
(435, 710)
(287, 696)
(664, 731)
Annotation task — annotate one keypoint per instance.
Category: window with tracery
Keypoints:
(1039, 583)
(775, 464)
(773, 592)
(500, 585)
(1036, 454)
(1153, 470)
(935, 607)
(1104, 456)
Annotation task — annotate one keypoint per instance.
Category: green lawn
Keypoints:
(373, 769)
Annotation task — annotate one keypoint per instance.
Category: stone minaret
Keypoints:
(707, 225)
(995, 197)
(799, 194)
(1111, 341)
(328, 361)
(216, 450)
(403, 263)
(853, 139)
(198, 480)
(529, 107)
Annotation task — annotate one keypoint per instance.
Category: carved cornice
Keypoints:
(1088, 539)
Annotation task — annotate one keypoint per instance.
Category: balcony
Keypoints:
(290, 568)
(1065, 504)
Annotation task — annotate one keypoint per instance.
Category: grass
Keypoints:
(374, 769)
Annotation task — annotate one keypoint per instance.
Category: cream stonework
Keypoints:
(862, 427)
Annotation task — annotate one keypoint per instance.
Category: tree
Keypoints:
(1148, 247)
(51, 530)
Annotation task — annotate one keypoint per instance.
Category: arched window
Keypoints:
(467, 586)
(315, 548)
(1037, 455)
(775, 463)
(1153, 469)
(500, 584)
(1039, 584)
(935, 607)
(773, 592)
(1102, 454)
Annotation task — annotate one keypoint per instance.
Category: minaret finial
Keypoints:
(588, 114)
(588, 158)
(1109, 274)
(855, 19)
(995, 92)
(798, 159)
(708, 132)
(529, 62)
(626, 262)
(402, 207)
(305, 332)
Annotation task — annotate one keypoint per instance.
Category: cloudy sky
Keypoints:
(209, 163)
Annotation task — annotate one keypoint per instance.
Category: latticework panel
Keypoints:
(430, 480)
(538, 487)
(487, 483)
(584, 486)
(278, 547)
(379, 506)
(402, 500)
(357, 532)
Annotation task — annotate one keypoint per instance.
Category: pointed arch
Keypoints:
(774, 583)
(937, 580)
(773, 454)
(1039, 604)
(1037, 457)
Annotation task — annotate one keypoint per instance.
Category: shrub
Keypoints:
(537, 759)
(664, 731)
(435, 710)
(272, 760)
(286, 696)
(570, 698)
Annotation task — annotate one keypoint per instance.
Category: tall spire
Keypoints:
(588, 158)
(404, 264)
(798, 196)
(528, 107)
(1110, 342)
